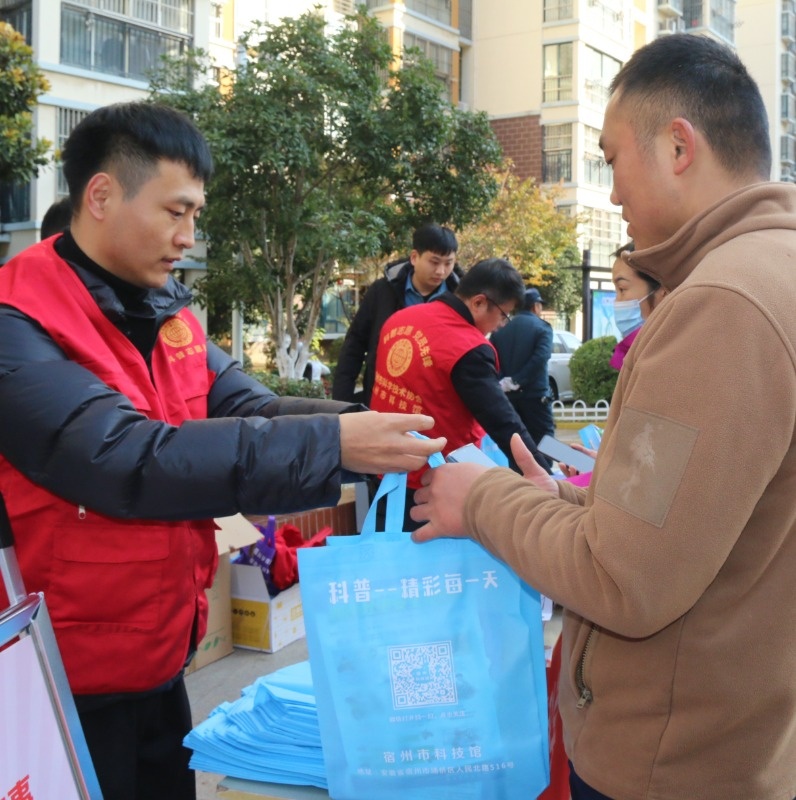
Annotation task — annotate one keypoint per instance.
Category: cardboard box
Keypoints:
(259, 621)
(217, 642)
(234, 532)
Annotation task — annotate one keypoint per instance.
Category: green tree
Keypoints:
(524, 225)
(325, 153)
(21, 83)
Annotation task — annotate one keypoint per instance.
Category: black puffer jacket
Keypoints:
(383, 298)
(76, 437)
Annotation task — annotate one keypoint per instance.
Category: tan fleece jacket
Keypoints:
(678, 566)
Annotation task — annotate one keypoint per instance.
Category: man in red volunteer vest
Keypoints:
(435, 359)
(125, 432)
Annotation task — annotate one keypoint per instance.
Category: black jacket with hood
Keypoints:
(261, 453)
(383, 298)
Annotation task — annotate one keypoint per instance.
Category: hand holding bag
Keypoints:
(428, 667)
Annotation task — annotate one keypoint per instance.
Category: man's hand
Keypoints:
(445, 489)
(530, 468)
(441, 500)
(374, 443)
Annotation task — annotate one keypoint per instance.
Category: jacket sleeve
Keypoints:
(475, 380)
(236, 394)
(687, 472)
(354, 349)
(85, 442)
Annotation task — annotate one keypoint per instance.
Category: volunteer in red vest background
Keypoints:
(109, 466)
(435, 359)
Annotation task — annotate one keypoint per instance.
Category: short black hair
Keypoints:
(129, 139)
(56, 218)
(697, 78)
(434, 238)
(494, 277)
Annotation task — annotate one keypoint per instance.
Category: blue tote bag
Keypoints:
(427, 664)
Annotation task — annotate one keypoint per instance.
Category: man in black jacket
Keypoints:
(429, 272)
(524, 347)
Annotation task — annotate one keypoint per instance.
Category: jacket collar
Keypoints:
(117, 298)
(760, 206)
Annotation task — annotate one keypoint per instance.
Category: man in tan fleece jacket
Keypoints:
(676, 566)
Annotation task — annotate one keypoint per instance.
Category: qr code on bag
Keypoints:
(422, 675)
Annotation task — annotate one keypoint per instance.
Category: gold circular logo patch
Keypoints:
(176, 333)
(399, 358)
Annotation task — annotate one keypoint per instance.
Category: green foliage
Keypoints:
(325, 154)
(21, 83)
(524, 225)
(593, 378)
(291, 387)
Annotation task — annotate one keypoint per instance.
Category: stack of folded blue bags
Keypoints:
(270, 734)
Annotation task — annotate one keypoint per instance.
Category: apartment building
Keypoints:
(539, 68)
(93, 52)
(765, 37)
(441, 30)
(542, 71)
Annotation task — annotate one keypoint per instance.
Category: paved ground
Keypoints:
(222, 681)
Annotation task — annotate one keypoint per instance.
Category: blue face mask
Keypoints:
(627, 315)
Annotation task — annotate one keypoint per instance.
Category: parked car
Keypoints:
(564, 345)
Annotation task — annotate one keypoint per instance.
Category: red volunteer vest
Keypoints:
(123, 594)
(418, 348)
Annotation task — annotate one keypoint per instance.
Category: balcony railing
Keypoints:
(557, 166)
(558, 87)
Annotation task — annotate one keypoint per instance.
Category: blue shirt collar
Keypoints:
(414, 298)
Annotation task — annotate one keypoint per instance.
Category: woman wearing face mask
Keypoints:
(637, 295)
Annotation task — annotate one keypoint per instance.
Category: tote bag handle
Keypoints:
(393, 487)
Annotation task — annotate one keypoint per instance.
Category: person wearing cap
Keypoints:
(524, 346)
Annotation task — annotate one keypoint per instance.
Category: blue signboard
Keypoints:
(602, 314)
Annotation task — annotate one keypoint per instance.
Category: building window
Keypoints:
(67, 119)
(466, 18)
(15, 202)
(608, 16)
(18, 15)
(600, 71)
(595, 170)
(216, 21)
(107, 42)
(603, 231)
(722, 18)
(692, 14)
(439, 10)
(556, 153)
(170, 15)
(555, 10)
(557, 72)
(441, 57)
